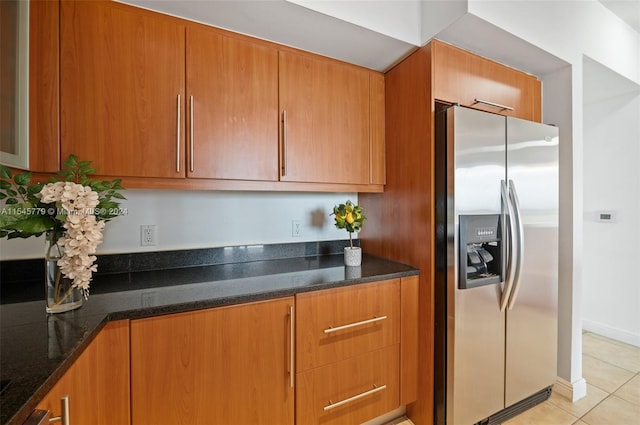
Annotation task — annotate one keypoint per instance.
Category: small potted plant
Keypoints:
(350, 217)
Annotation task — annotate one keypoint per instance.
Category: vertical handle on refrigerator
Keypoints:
(520, 250)
(510, 256)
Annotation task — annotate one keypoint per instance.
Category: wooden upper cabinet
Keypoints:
(325, 113)
(463, 77)
(44, 86)
(232, 88)
(122, 89)
(98, 382)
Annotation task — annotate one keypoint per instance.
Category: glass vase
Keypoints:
(61, 296)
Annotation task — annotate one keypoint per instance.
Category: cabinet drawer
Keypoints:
(336, 324)
(351, 391)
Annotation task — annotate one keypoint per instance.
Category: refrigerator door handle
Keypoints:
(508, 285)
(520, 250)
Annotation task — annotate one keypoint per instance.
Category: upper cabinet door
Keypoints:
(232, 88)
(325, 117)
(122, 89)
(465, 78)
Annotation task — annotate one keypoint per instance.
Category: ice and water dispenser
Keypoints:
(482, 252)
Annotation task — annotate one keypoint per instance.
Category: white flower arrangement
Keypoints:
(73, 211)
(83, 231)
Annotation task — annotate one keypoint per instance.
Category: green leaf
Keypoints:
(118, 195)
(35, 188)
(84, 164)
(11, 201)
(2, 195)
(5, 172)
(22, 190)
(22, 179)
(5, 185)
(12, 192)
(34, 224)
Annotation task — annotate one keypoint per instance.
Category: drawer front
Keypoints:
(351, 391)
(336, 324)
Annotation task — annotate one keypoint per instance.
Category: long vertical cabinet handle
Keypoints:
(283, 166)
(178, 136)
(65, 412)
(292, 330)
(509, 254)
(191, 133)
(516, 279)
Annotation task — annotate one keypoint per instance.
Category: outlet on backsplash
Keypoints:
(148, 235)
(296, 228)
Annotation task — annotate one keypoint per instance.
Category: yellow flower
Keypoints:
(349, 218)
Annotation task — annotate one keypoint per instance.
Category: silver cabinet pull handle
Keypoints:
(351, 325)
(64, 416)
(284, 144)
(496, 105)
(354, 398)
(291, 347)
(191, 133)
(178, 137)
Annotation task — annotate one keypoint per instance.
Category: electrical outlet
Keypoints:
(148, 235)
(296, 228)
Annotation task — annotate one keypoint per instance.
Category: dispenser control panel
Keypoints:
(481, 250)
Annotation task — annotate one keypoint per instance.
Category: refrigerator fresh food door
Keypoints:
(532, 172)
(475, 324)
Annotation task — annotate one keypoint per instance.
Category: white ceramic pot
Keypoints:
(352, 256)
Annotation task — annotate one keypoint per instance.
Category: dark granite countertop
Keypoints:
(36, 348)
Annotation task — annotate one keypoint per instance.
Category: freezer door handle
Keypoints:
(508, 282)
(520, 249)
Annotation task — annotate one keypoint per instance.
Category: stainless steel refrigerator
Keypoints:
(496, 280)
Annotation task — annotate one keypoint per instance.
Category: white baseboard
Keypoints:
(572, 391)
(611, 332)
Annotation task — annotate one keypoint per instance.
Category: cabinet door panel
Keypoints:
(98, 382)
(225, 365)
(326, 131)
(122, 70)
(234, 85)
(462, 77)
(320, 310)
(341, 381)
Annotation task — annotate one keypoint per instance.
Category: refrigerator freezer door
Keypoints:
(475, 324)
(532, 165)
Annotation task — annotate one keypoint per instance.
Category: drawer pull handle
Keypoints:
(354, 398)
(64, 417)
(351, 325)
(496, 105)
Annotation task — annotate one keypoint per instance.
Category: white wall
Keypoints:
(202, 219)
(611, 282)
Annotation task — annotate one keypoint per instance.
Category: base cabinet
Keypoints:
(337, 356)
(349, 359)
(97, 384)
(227, 365)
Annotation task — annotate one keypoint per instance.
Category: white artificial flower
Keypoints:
(83, 232)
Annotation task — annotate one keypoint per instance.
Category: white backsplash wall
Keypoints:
(204, 219)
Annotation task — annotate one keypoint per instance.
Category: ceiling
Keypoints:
(627, 10)
(292, 24)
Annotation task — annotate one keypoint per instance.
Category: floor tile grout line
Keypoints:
(610, 364)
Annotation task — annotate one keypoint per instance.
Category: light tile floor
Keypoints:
(612, 372)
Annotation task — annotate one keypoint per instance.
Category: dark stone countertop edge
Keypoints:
(26, 407)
